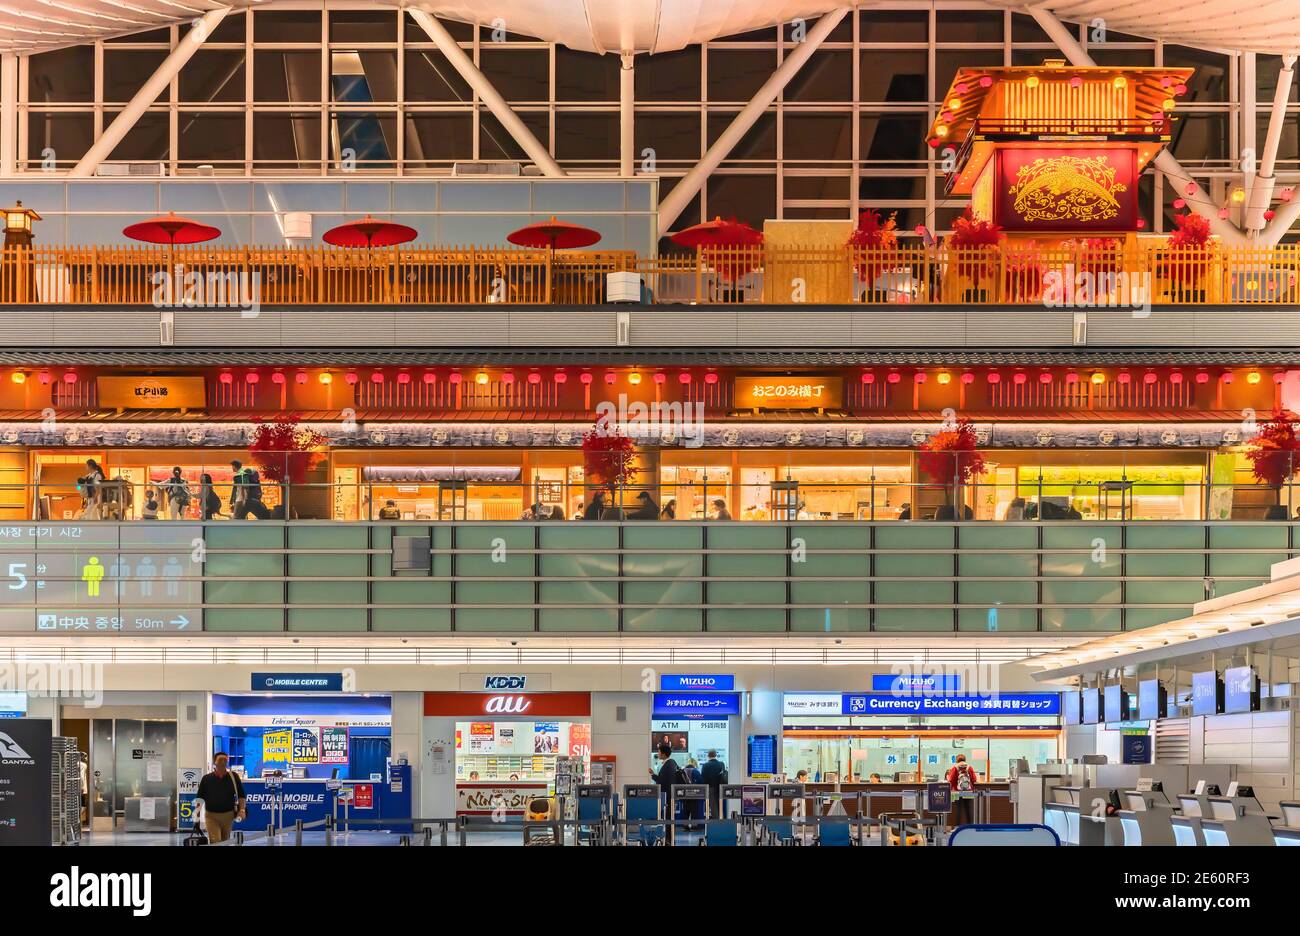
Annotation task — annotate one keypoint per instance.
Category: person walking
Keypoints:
(209, 502)
(177, 490)
(246, 492)
(91, 489)
(222, 793)
(714, 773)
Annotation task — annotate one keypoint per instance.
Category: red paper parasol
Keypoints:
(719, 233)
(369, 232)
(554, 235)
(171, 229)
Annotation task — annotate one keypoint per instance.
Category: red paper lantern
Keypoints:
(1044, 378)
(430, 377)
(868, 378)
(226, 378)
(508, 378)
(534, 378)
(1149, 378)
(561, 377)
(403, 377)
(710, 378)
(277, 378)
(894, 377)
(252, 377)
(350, 377)
(684, 377)
(1018, 378)
(585, 377)
(377, 377)
(454, 377)
(968, 378)
(994, 377)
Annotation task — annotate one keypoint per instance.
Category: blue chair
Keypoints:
(590, 809)
(646, 809)
(781, 828)
(835, 833)
(721, 832)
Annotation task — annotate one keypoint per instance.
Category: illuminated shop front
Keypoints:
(832, 736)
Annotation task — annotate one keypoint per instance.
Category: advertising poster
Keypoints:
(505, 737)
(482, 737)
(579, 740)
(277, 747)
(334, 745)
(306, 746)
(25, 751)
(363, 796)
(546, 737)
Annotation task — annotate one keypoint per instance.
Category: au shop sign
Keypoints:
(695, 704)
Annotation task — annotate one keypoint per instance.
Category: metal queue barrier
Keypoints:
(776, 828)
(686, 795)
(641, 819)
(595, 810)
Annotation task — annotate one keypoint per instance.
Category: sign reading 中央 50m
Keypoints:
(879, 703)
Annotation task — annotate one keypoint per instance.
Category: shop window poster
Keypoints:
(546, 737)
(334, 744)
(277, 747)
(579, 740)
(306, 746)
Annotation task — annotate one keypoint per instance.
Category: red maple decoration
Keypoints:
(1273, 451)
(286, 451)
(873, 238)
(1189, 250)
(608, 457)
(1100, 255)
(974, 241)
(952, 455)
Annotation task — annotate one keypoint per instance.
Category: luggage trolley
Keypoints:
(593, 817)
(641, 805)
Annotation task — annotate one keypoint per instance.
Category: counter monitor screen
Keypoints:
(1240, 689)
(1116, 707)
(1207, 693)
(1070, 707)
(1153, 700)
(1092, 707)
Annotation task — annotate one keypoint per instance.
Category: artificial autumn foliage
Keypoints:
(973, 239)
(1023, 272)
(952, 455)
(1272, 452)
(873, 237)
(733, 252)
(1099, 254)
(608, 457)
(1189, 252)
(286, 451)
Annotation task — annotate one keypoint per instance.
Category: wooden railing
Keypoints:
(1136, 275)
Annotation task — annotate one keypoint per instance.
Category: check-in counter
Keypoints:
(877, 798)
(1072, 816)
(1187, 831)
(1290, 814)
(1286, 837)
(1244, 830)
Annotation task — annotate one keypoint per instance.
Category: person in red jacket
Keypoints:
(962, 780)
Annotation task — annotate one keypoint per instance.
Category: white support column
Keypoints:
(149, 92)
(1165, 161)
(627, 116)
(1261, 192)
(8, 114)
(693, 181)
(448, 46)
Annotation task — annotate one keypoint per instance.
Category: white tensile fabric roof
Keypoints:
(1270, 26)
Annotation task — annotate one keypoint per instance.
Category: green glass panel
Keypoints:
(244, 619)
(913, 619)
(484, 536)
(1165, 536)
(663, 565)
(752, 620)
(478, 593)
(579, 565)
(1080, 619)
(1254, 564)
(416, 591)
(663, 536)
(244, 536)
(328, 536)
(513, 564)
(997, 537)
(919, 535)
(1229, 586)
(1138, 618)
(381, 536)
(725, 565)
(746, 593)
(580, 593)
(576, 620)
(1081, 535)
(914, 593)
(1081, 564)
(832, 566)
(830, 593)
(991, 593)
(914, 565)
(674, 593)
(649, 620)
(1165, 564)
(327, 593)
(1006, 620)
(485, 621)
(833, 536)
(1077, 592)
(1250, 536)
(998, 565)
(578, 536)
(255, 564)
(745, 536)
(236, 592)
(327, 619)
(1167, 592)
(410, 619)
(830, 620)
(318, 565)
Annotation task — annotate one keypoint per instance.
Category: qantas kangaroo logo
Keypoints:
(507, 705)
(10, 750)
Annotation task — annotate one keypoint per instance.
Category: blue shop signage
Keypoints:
(1012, 703)
(297, 682)
(912, 685)
(695, 704)
(697, 682)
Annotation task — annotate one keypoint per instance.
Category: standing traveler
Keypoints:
(646, 508)
(91, 489)
(246, 492)
(223, 798)
(714, 773)
(721, 511)
(669, 774)
(209, 502)
(177, 490)
(962, 780)
(150, 509)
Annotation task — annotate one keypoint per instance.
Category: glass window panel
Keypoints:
(209, 137)
(494, 142)
(287, 76)
(517, 74)
(327, 619)
(759, 142)
(1026, 29)
(826, 76)
(1200, 138)
(843, 31)
(286, 141)
(230, 29)
(287, 26)
(735, 75)
(147, 141)
(64, 76)
(461, 32)
(968, 26)
(430, 77)
(893, 26)
(582, 76)
(1211, 80)
(747, 198)
(61, 136)
(362, 26)
(670, 76)
(206, 196)
(439, 137)
(751, 620)
(818, 137)
(586, 136)
(890, 77)
(662, 620)
(126, 71)
(822, 187)
(213, 76)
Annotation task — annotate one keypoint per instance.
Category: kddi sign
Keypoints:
(505, 682)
